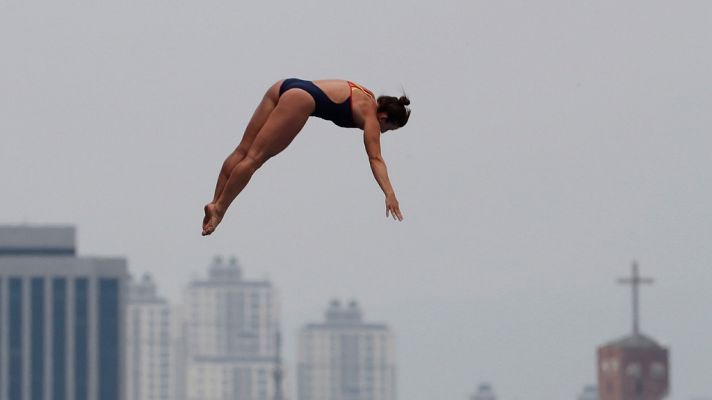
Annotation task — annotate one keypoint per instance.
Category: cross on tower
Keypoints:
(635, 280)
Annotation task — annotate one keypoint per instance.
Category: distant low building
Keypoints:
(590, 392)
(484, 392)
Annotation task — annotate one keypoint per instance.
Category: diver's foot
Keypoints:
(212, 218)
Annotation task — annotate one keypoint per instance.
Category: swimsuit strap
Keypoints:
(353, 86)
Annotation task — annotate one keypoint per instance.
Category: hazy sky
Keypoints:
(551, 143)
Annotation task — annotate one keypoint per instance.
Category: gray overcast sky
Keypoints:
(551, 143)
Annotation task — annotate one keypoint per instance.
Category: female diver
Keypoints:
(280, 116)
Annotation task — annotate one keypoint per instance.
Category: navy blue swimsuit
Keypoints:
(338, 113)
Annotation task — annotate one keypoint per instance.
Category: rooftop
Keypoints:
(226, 273)
(634, 341)
(40, 240)
(143, 290)
(346, 316)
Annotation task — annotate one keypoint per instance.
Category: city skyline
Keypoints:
(224, 272)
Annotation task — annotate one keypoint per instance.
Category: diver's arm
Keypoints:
(372, 141)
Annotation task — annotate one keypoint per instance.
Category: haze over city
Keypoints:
(550, 145)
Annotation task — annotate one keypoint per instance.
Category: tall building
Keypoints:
(484, 392)
(345, 358)
(149, 358)
(61, 318)
(231, 336)
(634, 367)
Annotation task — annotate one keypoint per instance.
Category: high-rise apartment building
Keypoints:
(149, 346)
(346, 358)
(61, 318)
(231, 327)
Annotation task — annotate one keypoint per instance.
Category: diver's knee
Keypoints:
(253, 161)
(240, 152)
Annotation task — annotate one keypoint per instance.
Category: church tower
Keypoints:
(634, 367)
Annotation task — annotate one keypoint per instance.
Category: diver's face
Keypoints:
(386, 125)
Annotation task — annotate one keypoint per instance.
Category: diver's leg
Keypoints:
(282, 126)
(264, 109)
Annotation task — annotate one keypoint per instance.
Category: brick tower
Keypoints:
(634, 367)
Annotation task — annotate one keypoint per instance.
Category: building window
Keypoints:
(633, 369)
(81, 334)
(658, 370)
(109, 328)
(59, 327)
(15, 339)
(37, 330)
(609, 366)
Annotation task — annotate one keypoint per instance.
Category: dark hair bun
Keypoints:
(395, 108)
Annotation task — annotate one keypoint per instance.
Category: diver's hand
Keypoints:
(392, 207)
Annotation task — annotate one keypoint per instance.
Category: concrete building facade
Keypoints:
(149, 346)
